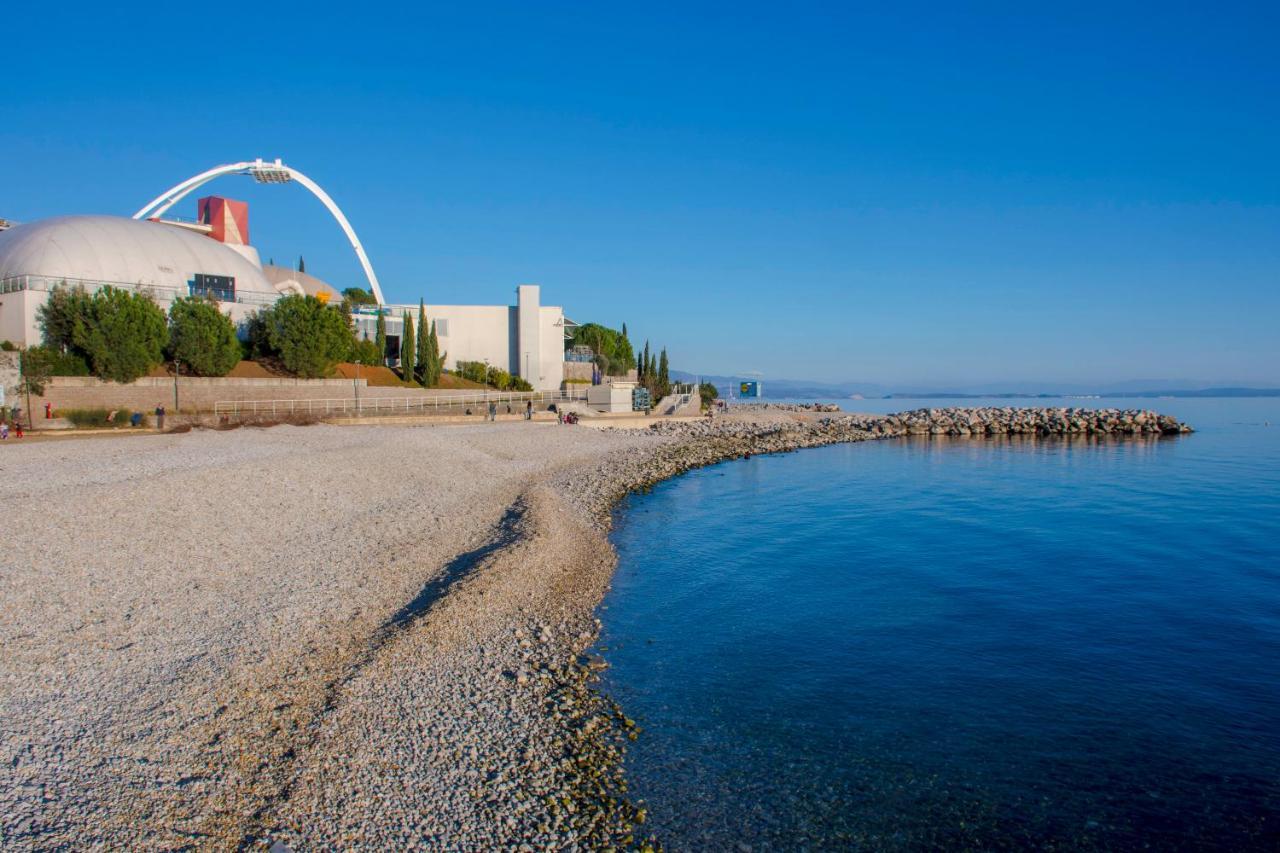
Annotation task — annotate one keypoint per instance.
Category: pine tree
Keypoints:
(380, 337)
(423, 355)
(664, 374)
(408, 350)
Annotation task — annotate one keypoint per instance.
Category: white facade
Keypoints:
(525, 339)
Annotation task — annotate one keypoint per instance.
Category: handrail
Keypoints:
(389, 405)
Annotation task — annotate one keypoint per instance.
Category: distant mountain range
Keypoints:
(810, 390)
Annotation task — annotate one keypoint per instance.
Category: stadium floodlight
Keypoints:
(270, 173)
(265, 173)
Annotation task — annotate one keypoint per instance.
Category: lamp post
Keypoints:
(177, 370)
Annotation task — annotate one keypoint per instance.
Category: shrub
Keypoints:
(97, 418)
(708, 393)
(496, 377)
(8, 346)
(365, 352)
(202, 338)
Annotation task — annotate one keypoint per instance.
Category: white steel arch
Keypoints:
(264, 173)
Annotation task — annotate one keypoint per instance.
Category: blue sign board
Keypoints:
(749, 389)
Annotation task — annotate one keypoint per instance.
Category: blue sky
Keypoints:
(902, 194)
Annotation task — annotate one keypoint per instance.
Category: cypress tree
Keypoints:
(437, 363)
(644, 372)
(422, 356)
(664, 373)
(302, 265)
(380, 337)
(408, 350)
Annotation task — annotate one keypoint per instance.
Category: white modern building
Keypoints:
(525, 339)
(212, 256)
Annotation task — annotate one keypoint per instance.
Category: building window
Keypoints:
(442, 328)
(219, 287)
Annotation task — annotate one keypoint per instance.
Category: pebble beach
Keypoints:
(347, 637)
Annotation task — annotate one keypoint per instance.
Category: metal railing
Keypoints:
(15, 283)
(420, 405)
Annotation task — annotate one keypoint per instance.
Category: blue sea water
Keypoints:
(944, 643)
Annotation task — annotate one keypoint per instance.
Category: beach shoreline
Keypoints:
(442, 696)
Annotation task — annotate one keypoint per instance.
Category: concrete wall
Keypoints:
(67, 392)
(529, 334)
(18, 316)
(9, 376)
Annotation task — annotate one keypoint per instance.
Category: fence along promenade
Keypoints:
(365, 406)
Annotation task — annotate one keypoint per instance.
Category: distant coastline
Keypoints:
(1143, 389)
(1143, 395)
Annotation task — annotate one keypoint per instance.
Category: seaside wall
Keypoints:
(200, 394)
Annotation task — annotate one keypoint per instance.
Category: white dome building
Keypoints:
(165, 260)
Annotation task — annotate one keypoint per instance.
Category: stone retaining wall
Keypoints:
(198, 394)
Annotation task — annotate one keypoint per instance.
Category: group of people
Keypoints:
(493, 410)
(135, 419)
(14, 426)
(11, 424)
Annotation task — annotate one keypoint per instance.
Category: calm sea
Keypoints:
(942, 643)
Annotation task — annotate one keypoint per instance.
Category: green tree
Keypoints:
(34, 369)
(307, 336)
(437, 358)
(124, 335)
(302, 265)
(202, 338)
(612, 349)
(422, 358)
(664, 374)
(64, 311)
(358, 296)
(708, 392)
(380, 336)
(408, 349)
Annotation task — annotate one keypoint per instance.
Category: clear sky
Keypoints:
(893, 193)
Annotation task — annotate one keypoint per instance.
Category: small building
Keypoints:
(611, 397)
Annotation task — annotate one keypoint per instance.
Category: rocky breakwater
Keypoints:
(693, 444)
(1021, 421)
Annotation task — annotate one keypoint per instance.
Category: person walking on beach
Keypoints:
(493, 411)
(4, 430)
(160, 417)
(17, 429)
(528, 410)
